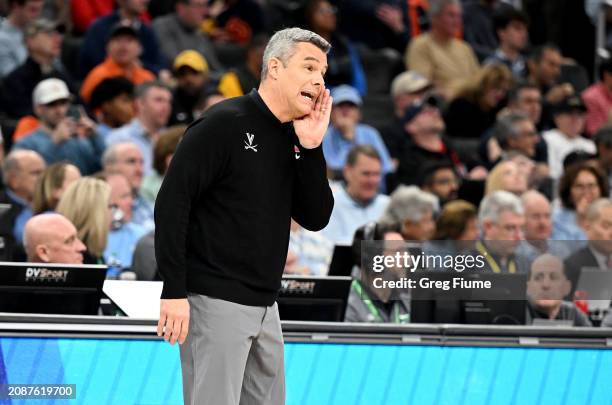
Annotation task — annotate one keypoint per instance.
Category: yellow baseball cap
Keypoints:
(192, 59)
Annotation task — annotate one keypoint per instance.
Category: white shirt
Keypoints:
(559, 146)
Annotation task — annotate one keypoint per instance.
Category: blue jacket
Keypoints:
(83, 153)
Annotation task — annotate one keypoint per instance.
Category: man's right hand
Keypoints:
(173, 320)
(64, 130)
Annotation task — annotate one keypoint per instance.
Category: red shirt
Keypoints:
(598, 100)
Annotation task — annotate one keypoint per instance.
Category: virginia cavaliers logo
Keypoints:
(248, 144)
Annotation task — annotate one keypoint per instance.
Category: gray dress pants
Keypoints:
(233, 354)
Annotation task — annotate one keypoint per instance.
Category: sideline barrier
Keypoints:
(121, 361)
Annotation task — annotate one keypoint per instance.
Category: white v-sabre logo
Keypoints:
(248, 144)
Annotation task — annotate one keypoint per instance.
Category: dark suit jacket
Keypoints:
(10, 249)
(575, 262)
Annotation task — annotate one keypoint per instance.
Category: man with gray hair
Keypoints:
(502, 218)
(413, 209)
(516, 132)
(125, 158)
(20, 171)
(223, 214)
(438, 54)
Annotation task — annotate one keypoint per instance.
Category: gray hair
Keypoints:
(111, 154)
(493, 205)
(437, 6)
(594, 209)
(532, 194)
(409, 203)
(505, 127)
(12, 163)
(282, 45)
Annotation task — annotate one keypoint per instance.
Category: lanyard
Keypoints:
(492, 263)
(395, 310)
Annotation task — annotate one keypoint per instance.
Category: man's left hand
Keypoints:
(311, 128)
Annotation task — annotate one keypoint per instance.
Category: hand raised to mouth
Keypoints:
(311, 128)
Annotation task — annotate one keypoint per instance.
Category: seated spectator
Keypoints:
(479, 25)
(123, 50)
(506, 176)
(526, 98)
(180, 31)
(43, 41)
(367, 303)
(544, 71)
(538, 220)
(143, 260)
(580, 185)
(598, 99)
(239, 81)
(457, 221)
(309, 253)
(456, 229)
(523, 99)
(546, 287)
(112, 103)
(566, 136)
(12, 48)
(598, 251)
(191, 72)
(86, 203)
(414, 211)
(502, 218)
(346, 131)
(603, 141)
(51, 185)
(126, 158)
(93, 51)
(359, 201)
(516, 132)
(51, 238)
(153, 108)
(162, 155)
(440, 180)
(236, 21)
(61, 136)
(124, 234)
(424, 142)
(20, 172)
(474, 107)
(344, 64)
(406, 88)
(511, 28)
(438, 55)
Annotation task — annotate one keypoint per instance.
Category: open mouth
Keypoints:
(307, 95)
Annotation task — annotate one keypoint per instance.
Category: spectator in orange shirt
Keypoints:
(123, 49)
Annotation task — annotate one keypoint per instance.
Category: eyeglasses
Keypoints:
(585, 186)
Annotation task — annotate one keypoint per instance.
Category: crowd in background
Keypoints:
(466, 121)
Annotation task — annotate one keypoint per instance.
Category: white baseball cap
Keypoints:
(50, 90)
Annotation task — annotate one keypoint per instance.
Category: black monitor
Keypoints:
(503, 303)
(306, 298)
(342, 261)
(51, 288)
